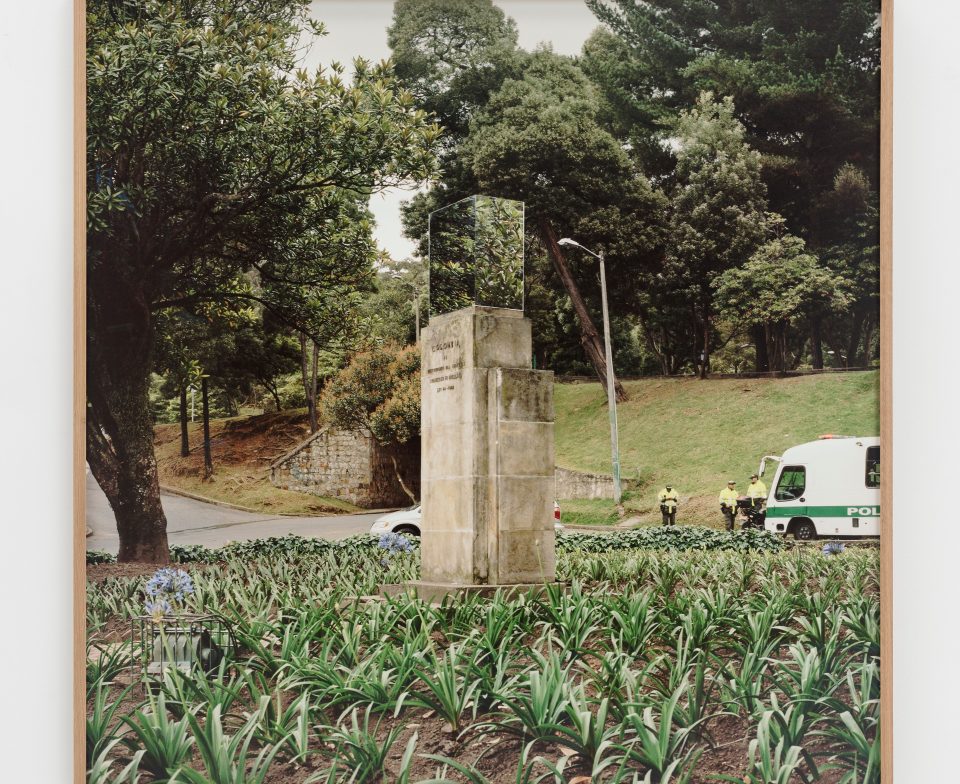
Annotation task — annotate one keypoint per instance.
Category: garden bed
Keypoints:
(498, 685)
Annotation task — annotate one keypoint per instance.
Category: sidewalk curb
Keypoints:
(216, 502)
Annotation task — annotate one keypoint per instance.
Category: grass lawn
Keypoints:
(242, 449)
(697, 434)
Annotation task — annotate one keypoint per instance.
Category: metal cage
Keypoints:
(186, 642)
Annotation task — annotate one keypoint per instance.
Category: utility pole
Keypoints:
(611, 392)
(611, 380)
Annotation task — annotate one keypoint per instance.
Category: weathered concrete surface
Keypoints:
(487, 452)
(577, 484)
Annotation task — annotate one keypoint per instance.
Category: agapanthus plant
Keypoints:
(833, 548)
(393, 544)
(167, 590)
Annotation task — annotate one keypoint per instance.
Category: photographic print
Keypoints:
(483, 391)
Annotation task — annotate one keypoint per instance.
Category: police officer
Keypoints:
(728, 503)
(667, 498)
(756, 491)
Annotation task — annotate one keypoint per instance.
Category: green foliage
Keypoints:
(165, 743)
(539, 140)
(400, 287)
(379, 393)
(780, 284)
(618, 669)
(227, 758)
(718, 210)
(103, 722)
(683, 537)
(803, 78)
(804, 83)
(221, 179)
(452, 55)
(698, 434)
(293, 546)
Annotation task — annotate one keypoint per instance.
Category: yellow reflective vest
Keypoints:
(728, 497)
(668, 497)
(757, 489)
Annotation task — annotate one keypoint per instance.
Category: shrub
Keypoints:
(660, 538)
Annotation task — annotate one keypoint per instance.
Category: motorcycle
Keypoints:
(754, 515)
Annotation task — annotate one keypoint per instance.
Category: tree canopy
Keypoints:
(221, 172)
(378, 393)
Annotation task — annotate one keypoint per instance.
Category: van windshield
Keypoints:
(792, 483)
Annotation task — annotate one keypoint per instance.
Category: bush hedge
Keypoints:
(662, 538)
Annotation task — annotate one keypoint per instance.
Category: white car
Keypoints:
(407, 521)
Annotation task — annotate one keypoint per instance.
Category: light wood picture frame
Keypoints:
(79, 532)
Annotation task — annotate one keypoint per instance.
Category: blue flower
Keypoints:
(395, 543)
(833, 548)
(167, 589)
(158, 607)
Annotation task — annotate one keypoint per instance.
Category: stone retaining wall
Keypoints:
(577, 484)
(352, 466)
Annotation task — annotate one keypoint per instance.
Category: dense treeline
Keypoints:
(724, 155)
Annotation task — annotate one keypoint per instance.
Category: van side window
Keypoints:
(793, 481)
(873, 466)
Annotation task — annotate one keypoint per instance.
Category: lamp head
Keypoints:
(567, 241)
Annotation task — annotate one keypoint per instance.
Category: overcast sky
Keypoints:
(359, 28)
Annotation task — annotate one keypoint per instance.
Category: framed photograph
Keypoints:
(483, 391)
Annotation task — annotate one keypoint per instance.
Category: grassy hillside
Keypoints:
(694, 433)
(698, 434)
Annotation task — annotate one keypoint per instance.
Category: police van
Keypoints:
(828, 487)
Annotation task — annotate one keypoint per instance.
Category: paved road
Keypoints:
(194, 522)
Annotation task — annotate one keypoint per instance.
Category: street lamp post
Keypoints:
(611, 392)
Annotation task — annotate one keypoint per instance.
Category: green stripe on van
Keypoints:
(824, 511)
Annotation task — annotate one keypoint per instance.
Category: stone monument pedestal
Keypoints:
(487, 465)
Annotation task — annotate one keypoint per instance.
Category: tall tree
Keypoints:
(781, 285)
(538, 140)
(804, 77)
(452, 55)
(209, 153)
(718, 215)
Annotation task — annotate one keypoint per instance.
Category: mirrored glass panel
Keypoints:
(476, 254)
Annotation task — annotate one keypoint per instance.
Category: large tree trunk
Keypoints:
(853, 341)
(816, 344)
(314, 417)
(705, 353)
(589, 337)
(207, 456)
(782, 347)
(119, 428)
(276, 396)
(184, 429)
(759, 337)
(308, 385)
